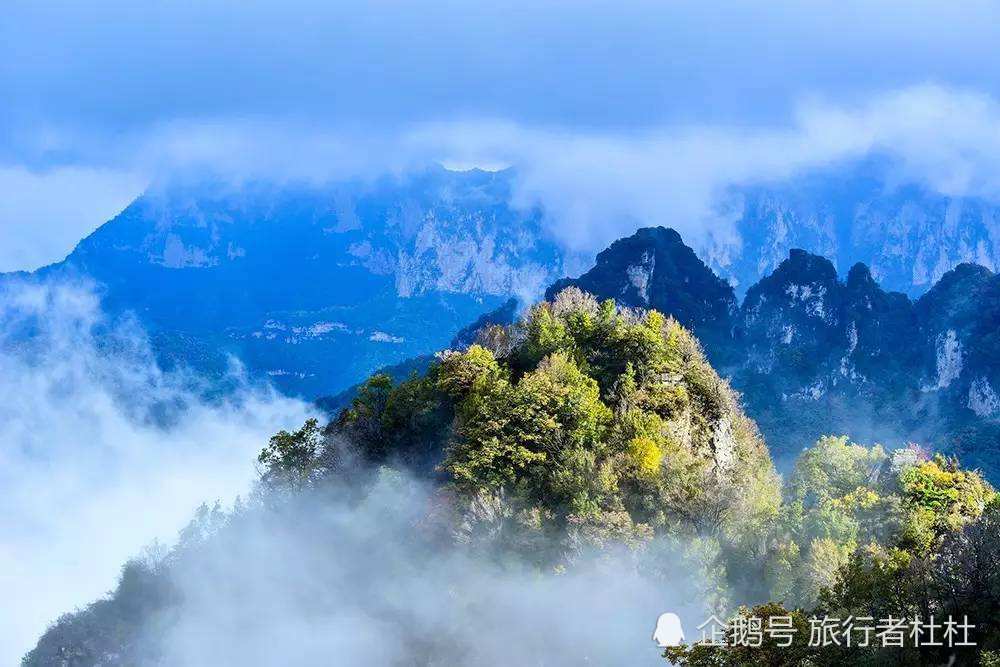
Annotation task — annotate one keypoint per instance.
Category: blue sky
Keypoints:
(100, 99)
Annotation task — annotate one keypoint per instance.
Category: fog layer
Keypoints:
(101, 452)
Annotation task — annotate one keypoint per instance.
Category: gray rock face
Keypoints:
(908, 236)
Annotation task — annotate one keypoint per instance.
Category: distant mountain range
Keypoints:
(313, 287)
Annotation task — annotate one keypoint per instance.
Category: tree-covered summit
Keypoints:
(585, 409)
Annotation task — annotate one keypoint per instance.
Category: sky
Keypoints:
(100, 100)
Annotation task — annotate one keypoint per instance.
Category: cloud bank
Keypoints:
(102, 453)
(611, 110)
(594, 186)
(599, 186)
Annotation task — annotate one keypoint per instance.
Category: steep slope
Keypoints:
(790, 321)
(823, 356)
(352, 272)
(889, 369)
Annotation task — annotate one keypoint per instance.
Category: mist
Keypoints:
(102, 452)
(373, 576)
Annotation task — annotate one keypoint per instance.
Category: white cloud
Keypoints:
(101, 453)
(600, 186)
(596, 185)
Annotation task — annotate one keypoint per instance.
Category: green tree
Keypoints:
(295, 459)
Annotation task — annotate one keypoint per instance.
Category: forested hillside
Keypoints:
(580, 469)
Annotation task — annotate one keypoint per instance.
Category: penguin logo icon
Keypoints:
(668, 630)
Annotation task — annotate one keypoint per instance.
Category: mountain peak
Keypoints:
(660, 233)
(967, 271)
(653, 268)
(956, 294)
(660, 239)
(811, 275)
(816, 266)
(964, 278)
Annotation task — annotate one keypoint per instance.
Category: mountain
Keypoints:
(813, 354)
(313, 286)
(584, 430)
(310, 286)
